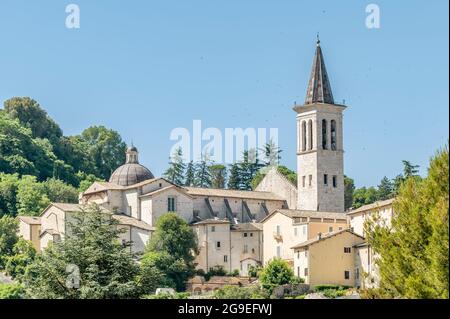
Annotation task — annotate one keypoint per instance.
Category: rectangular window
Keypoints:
(334, 181)
(245, 234)
(278, 230)
(306, 271)
(213, 229)
(347, 250)
(298, 271)
(298, 255)
(346, 274)
(295, 231)
(251, 234)
(304, 230)
(225, 258)
(130, 210)
(218, 245)
(310, 180)
(278, 251)
(325, 179)
(171, 204)
(304, 181)
(330, 229)
(357, 273)
(245, 249)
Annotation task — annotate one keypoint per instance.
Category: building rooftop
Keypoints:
(293, 213)
(247, 227)
(372, 206)
(323, 237)
(212, 221)
(130, 221)
(30, 220)
(215, 192)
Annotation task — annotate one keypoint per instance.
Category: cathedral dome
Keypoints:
(131, 172)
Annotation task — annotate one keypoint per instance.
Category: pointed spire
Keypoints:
(319, 88)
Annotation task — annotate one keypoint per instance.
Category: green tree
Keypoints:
(175, 172)
(8, 192)
(413, 251)
(31, 196)
(271, 153)
(9, 228)
(23, 255)
(349, 189)
(385, 189)
(190, 174)
(364, 196)
(203, 174)
(172, 249)
(409, 169)
(29, 113)
(107, 269)
(218, 175)
(248, 168)
(59, 192)
(106, 149)
(234, 182)
(276, 273)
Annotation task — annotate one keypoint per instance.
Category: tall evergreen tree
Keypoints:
(271, 153)
(385, 189)
(409, 169)
(234, 182)
(175, 172)
(349, 189)
(203, 175)
(218, 175)
(190, 174)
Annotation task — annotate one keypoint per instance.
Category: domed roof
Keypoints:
(131, 172)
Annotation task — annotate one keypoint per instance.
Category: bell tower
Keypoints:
(320, 160)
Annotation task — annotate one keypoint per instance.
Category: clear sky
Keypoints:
(146, 67)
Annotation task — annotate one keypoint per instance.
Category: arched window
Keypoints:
(310, 131)
(333, 135)
(324, 134)
(303, 136)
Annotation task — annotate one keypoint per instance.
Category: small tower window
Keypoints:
(334, 181)
(324, 134)
(303, 136)
(310, 131)
(325, 179)
(333, 135)
(310, 180)
(171, 204)
(304, 181)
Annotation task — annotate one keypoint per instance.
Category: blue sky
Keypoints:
(146, 67)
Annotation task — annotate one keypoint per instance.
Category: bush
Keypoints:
(254, 271)
(11, 291)
(234, 273)
(179, 295)
(333, 293)
(215, 271)
(276, 273)
(236, 292)
(321, 288)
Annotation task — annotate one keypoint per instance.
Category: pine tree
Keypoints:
(190, 174)
(218, 175)
(203, 175)
(234, 182)
(385, 189)
(271, 153)
(409, 169)
(175, 172)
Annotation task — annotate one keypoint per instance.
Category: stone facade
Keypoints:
(277, 183)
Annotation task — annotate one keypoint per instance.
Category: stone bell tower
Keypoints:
(320, 160)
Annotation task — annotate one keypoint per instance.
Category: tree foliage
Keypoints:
(172, 250)
(413, 251)
(175, 172)
(106, 267)
(8, 237)
(276, 273)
